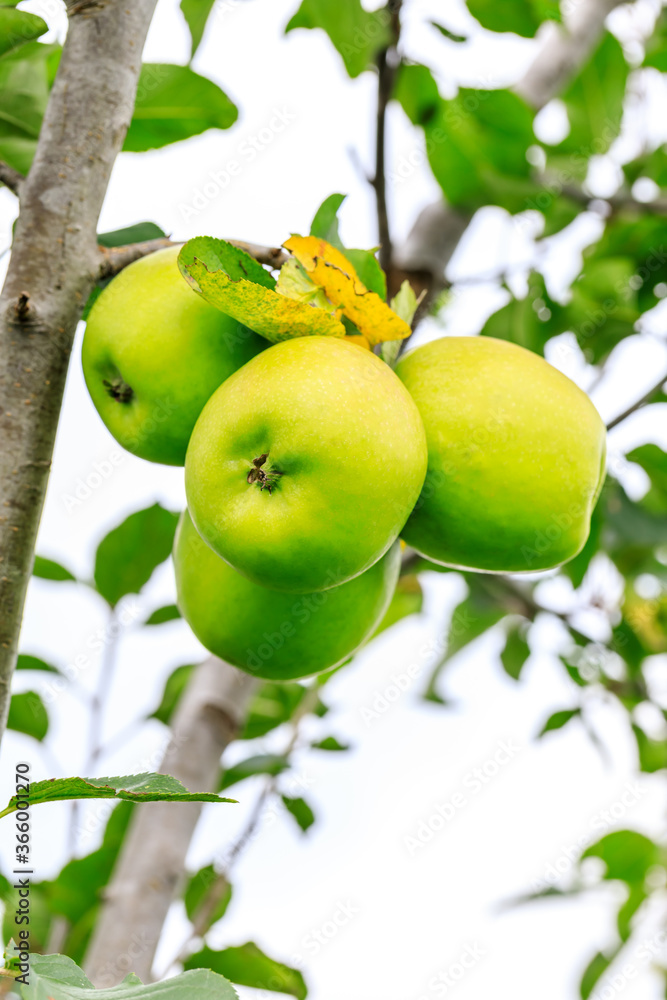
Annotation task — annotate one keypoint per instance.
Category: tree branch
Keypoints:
(565, 49)
(646, 398)
(114, 259)
(52, 269)
(438, 229)
(11, 178)
(151, 865)
(617, 202)
(387, 64)
(273, 256)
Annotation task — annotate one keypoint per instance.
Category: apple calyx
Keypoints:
(265, 478)
(118, 390)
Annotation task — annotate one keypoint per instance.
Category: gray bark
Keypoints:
(53, 266)
(150, 868)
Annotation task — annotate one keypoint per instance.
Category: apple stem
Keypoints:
(265, 478)
(118, 389)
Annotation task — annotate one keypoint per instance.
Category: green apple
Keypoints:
(273, 635)
(154, 352)
(305, 464)
(516, 456)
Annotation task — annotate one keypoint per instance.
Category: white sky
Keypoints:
(417, 911)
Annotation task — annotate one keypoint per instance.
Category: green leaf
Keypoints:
(365, 263)
(656, 45)
(558, 720)
(27, 662)
(76, 892)
(515, 653)
(405, 302)
(639, 239)
(594, 971)
(417, 92)
(26, 75)
(476, 142)
(558, 211)
(636, 896)
(357, 34)
(18, 27)
(529, 322)
(594, 110)
(56, 977)
(325, 223)
(232, 281)
(270, 707)
(447, 33)
(140, 232)
(301, 811)
(198, 891)
(268, 763)
(523, 17)
(247, 965)
(626, 642)
(176, 684)
(330, 743)
(47, 569)
(476, 614)
(41, 916)
(27, 714)
(407, 600)
(127, 557)
(369, 271)
(146, 787)
(168, 613)
(653, 461)
(628, 855)
(196, 14)
(175, 103)
(652, 753)
(577, 568)
(603, 308)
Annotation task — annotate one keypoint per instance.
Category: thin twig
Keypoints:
(114, 259)
(617, 202)
(273, 256)
(646, 398)
(11, 178)
(387, 63)
(96, 719)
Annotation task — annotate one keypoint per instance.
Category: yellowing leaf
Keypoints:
(235, 283)
(294, 283)
(330, 269)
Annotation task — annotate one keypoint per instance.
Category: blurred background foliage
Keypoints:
(610, 602)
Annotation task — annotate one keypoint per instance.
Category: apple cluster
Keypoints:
(307, 461)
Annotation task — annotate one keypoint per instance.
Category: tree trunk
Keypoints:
(53, 266)
(150, 868)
